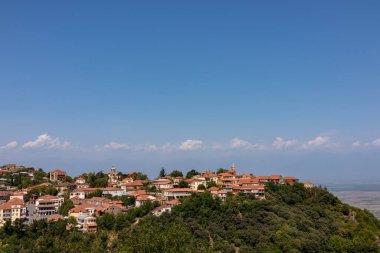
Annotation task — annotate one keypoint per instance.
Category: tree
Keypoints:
(66, 206)
(162, 172)
(176, 173)
(138, 176)
(107, 221)
(97, 193)
(192, 173)
(39, 175)
(100, 182)
(183, 184)
(212, 184)
(201, 187)
(127, 200)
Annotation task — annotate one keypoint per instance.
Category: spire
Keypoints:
(233, 168)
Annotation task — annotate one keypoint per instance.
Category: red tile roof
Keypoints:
(136, 183)
(173, 202)
(211, 189)
(47, 197)
(12, 202)
(85, 189)
(180, 190)
(60, 172)
(290, 178)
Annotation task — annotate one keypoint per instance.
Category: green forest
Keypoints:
(291, 219)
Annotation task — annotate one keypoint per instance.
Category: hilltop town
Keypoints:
(28, 194)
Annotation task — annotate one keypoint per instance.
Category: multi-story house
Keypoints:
(113, 176)
(82, 193)
(291, 180)
(194, 183)
(112, 192)
(163, 185)
(48, 205)
(12, 210)
(57, 175)
(177, 193)
(89, 225)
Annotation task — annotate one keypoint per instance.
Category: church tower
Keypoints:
(233, 168)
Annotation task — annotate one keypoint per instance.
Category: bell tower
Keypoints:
(233, 168)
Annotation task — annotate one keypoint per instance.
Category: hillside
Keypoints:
(291, 219)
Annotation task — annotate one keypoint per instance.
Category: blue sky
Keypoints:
(277, 87)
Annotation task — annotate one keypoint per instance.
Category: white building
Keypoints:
(48, 205)
(12, 210)
(177, 193)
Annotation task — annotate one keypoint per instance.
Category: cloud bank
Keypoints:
(44, 140)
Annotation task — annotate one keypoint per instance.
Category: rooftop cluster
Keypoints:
(28, 194)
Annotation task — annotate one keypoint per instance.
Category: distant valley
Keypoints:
(359, 195)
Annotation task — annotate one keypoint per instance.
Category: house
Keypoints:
(12, 210)
(89, 209)
(113, 176)
(82, 193)
(85, 185)
(257, 191)
(222, 194)
(173, 202)
(176, 180)
(80, 180)
(248, 182)
(177, 193)
(264, 179)
(161, 209)
(21, 194)
(210, 177)
(127, 180)
(48, 205)
(57, 175)
(5, 196)
(163, 185)
(113, 192)
(308, 184)
(194, 183)
(87, 223)
(213, 190)
(96, 201)
(276, 179)
(291, 180)
(136, 193)
(137, 184)
(76, 200)
(142, 199)
(228, 178)
(3, 183)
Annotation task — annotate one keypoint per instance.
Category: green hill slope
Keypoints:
(291, 219)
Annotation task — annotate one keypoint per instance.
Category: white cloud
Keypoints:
(10, 145)
(45, 140)
(376, 142)
(151, 147)
(239, 143)
(116, 146)
(319, 141)
(280, 143)
(191, 145)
